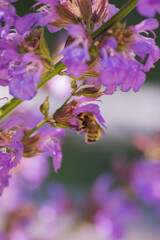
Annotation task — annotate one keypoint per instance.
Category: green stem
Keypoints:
(9, 106)
(34, 130)
(125, 9)
(57, 69)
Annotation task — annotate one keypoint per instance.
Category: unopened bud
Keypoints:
(44, 108)
(90, 92)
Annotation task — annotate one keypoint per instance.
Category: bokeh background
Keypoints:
(127, 116)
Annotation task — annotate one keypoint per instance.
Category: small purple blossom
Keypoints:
(116, 67)
(25, 74)
(148, 8)
(51, 145)
(76, 54)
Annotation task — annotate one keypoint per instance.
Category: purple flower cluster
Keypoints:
(21, 72)
(112, 56)
(11, 148)
(119, 57)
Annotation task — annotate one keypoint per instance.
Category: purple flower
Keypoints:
(145, 180)
(148, 8)
(115, 69)
(21, 72)
(76, 54)
(51, 145)
(143, 46)
(11, 148)
(25, 74)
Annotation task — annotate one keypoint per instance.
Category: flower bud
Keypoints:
(44, 108)
(90, 92)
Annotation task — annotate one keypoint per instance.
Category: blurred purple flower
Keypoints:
(33, 171)
(111, 207)
(145, 180)
(14, 192)
(148, 8)
(60, 198)
(24, 218)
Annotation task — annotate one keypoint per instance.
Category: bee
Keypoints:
(88, 124)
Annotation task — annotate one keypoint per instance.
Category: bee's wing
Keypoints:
(100, 129)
